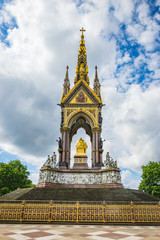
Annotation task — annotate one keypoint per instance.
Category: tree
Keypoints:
(13, 175)
(151, 178)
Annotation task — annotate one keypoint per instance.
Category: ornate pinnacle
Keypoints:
(66, 85)
(66, 78)
(96, 74)
(97, 85)
(82, 68)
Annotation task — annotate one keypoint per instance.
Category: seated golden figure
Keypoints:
(81, 147)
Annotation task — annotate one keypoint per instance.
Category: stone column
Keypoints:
(60, 151)
(63, 163)
(68, 150)
(93, 149)
(97, 148)
(101, 156)
(97, 156)
(69, 154)
(100, 151)
(64, 148)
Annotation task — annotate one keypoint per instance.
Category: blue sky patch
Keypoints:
(5, 26)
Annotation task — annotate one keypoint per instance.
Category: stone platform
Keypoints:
(106, 176)
(115, 195)
(60, 185)
(80, 177)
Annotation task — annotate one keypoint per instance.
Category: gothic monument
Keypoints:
(81, 107)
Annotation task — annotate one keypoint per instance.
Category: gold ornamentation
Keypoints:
(82, 67)
(93, 112)
(81, 98)
(79, 212)
(69, 111)
(81, 147)
(85, 111)
(69, 93)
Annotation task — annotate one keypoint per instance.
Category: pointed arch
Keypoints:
(84, 114)
(80, 120)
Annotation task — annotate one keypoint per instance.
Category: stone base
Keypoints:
(57, 185)
(80, 177)
(80, 162)
(80, 166)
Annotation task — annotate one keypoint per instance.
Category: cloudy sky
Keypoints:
(39, 38)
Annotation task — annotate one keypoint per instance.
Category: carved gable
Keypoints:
(81, 94)
(81, 97)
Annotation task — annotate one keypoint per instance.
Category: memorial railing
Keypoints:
(79, 212)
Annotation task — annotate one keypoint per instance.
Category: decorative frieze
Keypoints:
(73, 177)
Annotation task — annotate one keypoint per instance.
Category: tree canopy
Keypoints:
(151, 178)
(13, 175)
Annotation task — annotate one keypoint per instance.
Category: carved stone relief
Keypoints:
(108, 174)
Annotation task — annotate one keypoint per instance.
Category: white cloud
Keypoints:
(34, 177)
(123, 10)
(129, 180)
(157, 16)
(145, 29)
(143, 12)
(158, 2)
(125, 59)
(133, 119)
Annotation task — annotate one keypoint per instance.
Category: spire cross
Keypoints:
(82, 30)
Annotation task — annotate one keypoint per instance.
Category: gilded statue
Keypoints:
(81, 147)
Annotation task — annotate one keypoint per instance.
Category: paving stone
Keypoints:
(81, 232)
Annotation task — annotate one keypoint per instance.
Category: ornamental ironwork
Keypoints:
(80, 212)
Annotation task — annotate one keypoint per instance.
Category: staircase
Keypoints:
(15, 194)
(87, 194)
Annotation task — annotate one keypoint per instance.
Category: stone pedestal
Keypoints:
(80, 162)
(107, 176)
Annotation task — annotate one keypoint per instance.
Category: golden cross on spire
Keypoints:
(82, 30)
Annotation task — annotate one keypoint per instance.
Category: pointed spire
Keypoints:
(66, 85)
(67, 78)
(82, 67)
(97, 84)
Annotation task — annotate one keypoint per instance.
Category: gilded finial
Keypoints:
(82, 68)
(82, 30)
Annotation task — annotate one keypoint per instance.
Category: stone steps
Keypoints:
(76, 194)
(15, 194)
(79, 194)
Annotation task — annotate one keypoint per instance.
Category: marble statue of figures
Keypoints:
(59, 143)
(109, 162)
(53, 160)
(47, 162)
